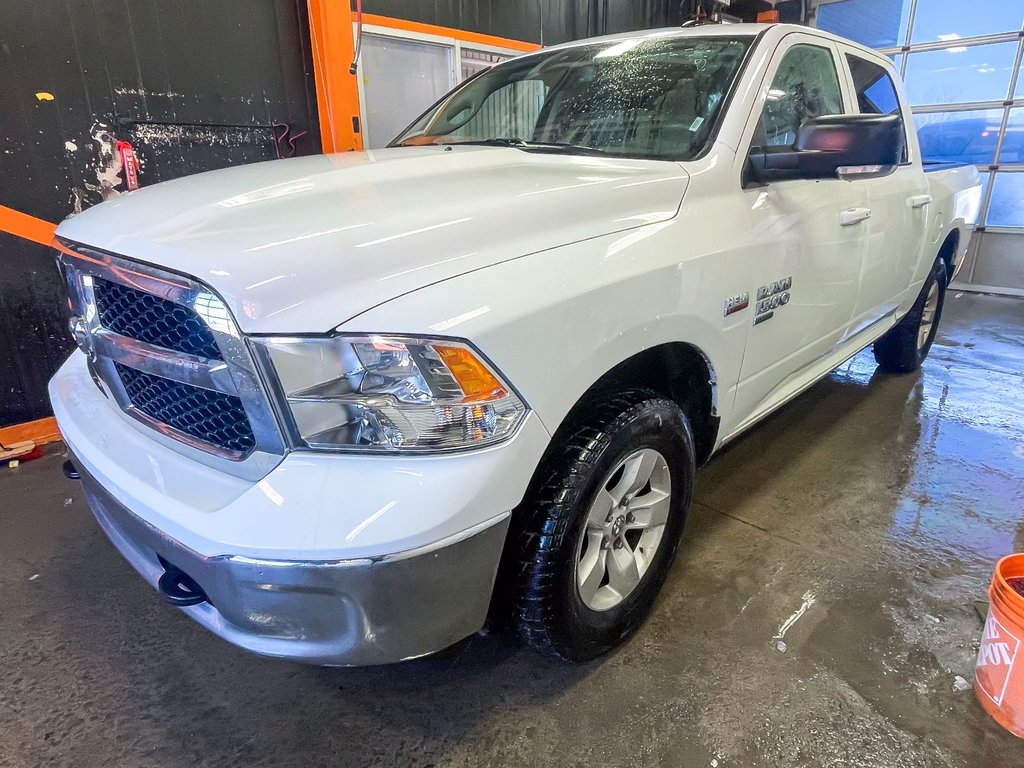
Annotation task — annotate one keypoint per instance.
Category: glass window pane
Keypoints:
(673, 91)
(474, 61)
(1013, 143)
(874, 23)
(876, 93)
(960, 137)
(1007, 206)
(951, 20)
(512, 110)
(805, 85)
(960, 74)
(1018, 92)
(401, 78)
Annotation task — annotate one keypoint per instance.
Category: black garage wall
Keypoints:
(193, 85)
(555, 21)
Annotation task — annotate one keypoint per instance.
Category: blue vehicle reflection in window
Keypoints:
(970, 137)
(1007, 206)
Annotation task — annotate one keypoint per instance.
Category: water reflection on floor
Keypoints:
(821, 612)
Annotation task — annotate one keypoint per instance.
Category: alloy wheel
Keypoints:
(928, 312)
(623, 530)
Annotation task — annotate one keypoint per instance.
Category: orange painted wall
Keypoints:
(337, 93)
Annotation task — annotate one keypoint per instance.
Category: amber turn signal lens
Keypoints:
(476, 381)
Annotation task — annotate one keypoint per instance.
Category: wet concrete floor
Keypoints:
(878, 502)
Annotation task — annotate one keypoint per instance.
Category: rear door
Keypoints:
(899, 202)
(803, 280)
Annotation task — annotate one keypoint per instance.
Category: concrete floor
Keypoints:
(884, 500)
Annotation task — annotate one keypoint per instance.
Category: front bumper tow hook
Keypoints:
(180, 589)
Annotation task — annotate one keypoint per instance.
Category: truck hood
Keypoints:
(303, 245)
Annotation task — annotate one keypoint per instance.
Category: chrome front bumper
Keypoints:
(345, 613)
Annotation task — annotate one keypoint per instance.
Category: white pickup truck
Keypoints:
(339, 408)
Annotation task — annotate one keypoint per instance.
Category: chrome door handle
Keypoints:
(853, 216)
(919, 201)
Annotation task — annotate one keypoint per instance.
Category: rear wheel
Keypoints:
(604, 525)
(906, 345)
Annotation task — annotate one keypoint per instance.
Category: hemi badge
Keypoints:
(738, 302)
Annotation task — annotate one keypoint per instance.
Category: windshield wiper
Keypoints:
(531, 146)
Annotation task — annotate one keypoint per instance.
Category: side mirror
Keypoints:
(834, 146)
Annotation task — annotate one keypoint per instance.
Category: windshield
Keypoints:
(648, 97)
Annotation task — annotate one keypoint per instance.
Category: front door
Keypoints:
(804, 277)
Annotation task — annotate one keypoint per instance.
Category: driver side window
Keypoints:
(805, 85)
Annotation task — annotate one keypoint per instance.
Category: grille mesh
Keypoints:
(149, 318)
(212, 417)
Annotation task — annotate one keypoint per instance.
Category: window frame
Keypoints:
(762, 134)
(903, 50)
(987, 172)
(911, 53)
(1015, 100)
(720, 118)
(753, 119)
(454, 43)
(911, 150)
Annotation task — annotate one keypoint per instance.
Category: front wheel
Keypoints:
(604, 525)
(906, 345)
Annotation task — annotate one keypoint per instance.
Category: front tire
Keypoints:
(604, 525)
(906, 345)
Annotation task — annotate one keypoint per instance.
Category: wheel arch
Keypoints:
(948, 250)
(678, 370)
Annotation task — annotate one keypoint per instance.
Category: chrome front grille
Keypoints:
(145, 317)
(168, 352)
(206, 415)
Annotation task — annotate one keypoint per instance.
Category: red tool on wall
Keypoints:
(129, 163)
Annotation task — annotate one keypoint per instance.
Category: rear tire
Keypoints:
(587, 578)
(906, 345)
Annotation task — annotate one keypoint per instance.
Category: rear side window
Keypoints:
(805, 85)
(876, 93)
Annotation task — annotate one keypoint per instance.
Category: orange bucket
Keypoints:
(999, 673)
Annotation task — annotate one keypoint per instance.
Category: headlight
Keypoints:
(382, 393)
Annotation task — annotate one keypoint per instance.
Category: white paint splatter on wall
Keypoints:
(107, 165)
(142, 92)
(104, 167)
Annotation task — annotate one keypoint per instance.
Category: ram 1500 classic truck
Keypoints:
(338, 408)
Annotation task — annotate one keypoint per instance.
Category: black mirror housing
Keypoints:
(826, 144)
